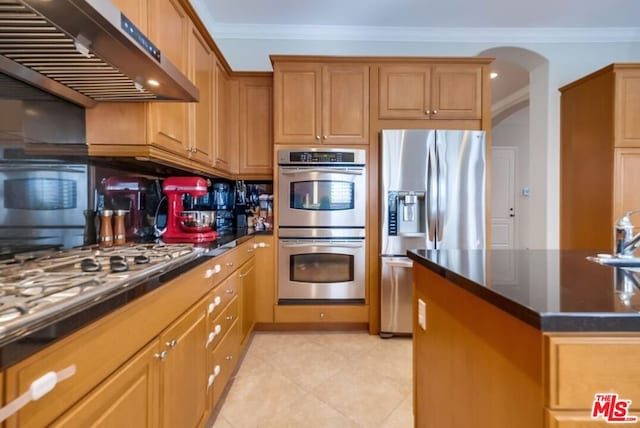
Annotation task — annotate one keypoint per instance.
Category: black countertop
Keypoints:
(552, 290)
(30, 341)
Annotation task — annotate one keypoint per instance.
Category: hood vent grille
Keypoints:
(31, 41)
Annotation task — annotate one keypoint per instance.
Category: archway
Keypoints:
(519, 118)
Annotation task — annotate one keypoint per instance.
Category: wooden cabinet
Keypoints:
(265, 279)
(322, 313)
(430, 91)
(599, 155)
(184, 371)
(256, 127)
(247, 274)
(129, 398)
(225, 158)
(148, 363)
(203, 113)
(317, 103)
(169, 28)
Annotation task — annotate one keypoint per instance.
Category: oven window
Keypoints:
(321, 268)
(322, 195)
(40, 194)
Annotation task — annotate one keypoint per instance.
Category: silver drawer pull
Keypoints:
(216, 331)
(229, 264)
(229, 357)
(172, 343)
(213, 376)
(229, 317)
(161, 356)
(230, 291)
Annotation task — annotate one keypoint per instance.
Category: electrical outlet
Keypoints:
(422, 314)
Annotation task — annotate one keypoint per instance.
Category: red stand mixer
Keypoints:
(184, 225)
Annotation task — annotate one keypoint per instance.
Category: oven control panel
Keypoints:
(321, 156)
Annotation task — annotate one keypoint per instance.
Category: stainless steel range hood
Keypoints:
(85, 51)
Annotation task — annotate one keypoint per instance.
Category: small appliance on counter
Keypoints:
(223, 202)
(128, 194)
(186, 224)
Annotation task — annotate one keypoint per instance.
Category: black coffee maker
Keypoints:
(222, 199)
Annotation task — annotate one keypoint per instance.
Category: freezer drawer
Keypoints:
(395, 296)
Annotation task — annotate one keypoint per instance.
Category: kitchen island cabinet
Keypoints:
(155, 351)
(543, 344)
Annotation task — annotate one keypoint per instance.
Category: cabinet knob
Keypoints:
(427, 111)
(172, 343)
(229, 264)
(229, 357)
(325, 137)
(230, 291)
(161, 356)
(229, 317)
(435, 112)
(321, 314)
(317, 137)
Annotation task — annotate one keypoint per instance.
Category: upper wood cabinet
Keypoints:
(599, 154)
(225, 148)
(318, 103)
(430, 91)
(256, 127)
(627, 107)
(203, 63)
(169, 27)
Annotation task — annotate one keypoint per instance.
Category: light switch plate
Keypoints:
(422, 314)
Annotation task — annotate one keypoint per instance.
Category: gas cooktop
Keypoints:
(36, 288)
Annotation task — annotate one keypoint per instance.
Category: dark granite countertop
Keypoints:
(31, 341)
(552, 290)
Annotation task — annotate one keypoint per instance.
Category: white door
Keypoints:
(503, 185)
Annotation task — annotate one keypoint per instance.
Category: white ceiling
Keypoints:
(429, 13)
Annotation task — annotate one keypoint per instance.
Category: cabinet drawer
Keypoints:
(220, 297)
(324, 313)
(573, 419)
(576, 371)
(219, 327)
(224, 359)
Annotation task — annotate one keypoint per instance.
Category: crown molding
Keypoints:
(422, 34)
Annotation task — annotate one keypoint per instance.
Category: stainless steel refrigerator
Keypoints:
(432, 197)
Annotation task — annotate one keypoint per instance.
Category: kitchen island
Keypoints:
(522, 338)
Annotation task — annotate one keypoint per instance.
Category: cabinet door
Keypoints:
(184, 370)
(345, 104)
(128, 398)
(404, 91)
(227, 121)
(297, 105)
(202, 74)
(136, 11)
(265, 282)
(256, 127)
(574, 419)
(456, 91)
(626, 196)
(169, 29)
(247, 273)
(627, 108)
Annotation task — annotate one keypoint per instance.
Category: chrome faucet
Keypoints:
(625, 242)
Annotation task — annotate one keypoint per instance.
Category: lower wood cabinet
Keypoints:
(183, 370)
(152, 363)
(322, 313)
(129, 398)
(573, 419)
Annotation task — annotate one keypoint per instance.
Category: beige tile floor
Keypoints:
(321, 379)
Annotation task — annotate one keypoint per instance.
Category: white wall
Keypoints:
(513, 131)
(566, 63)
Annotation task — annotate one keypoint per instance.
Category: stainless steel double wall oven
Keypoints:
(321, 225)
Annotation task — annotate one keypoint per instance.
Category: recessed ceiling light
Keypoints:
(493, 75)
(153, 82)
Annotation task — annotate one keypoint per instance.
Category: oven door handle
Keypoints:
(343, 171)
(323, 244)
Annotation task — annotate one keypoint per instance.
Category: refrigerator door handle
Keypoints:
(431, 192)
(442, 191)
(408, 264)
